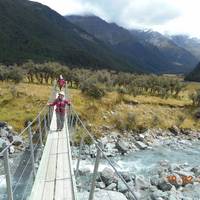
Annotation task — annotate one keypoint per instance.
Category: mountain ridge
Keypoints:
(30, 30)
(172, 59)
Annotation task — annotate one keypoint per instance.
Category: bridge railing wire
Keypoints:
(80, 134)
(23, 158)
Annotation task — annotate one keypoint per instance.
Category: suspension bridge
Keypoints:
(48, 172)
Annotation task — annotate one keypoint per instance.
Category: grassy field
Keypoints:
(114, 110)
(24, 104)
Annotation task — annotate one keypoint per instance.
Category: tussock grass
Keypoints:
(28, 102)
(119, 111)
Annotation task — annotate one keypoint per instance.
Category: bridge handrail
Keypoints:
(31, 123)
(96, 142)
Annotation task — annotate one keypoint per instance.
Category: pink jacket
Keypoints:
(60, 105)
(61, 82)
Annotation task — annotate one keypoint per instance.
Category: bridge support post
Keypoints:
(32, 150)
(45, 124)
(40, 131)
(79, 157)
(48, 119)
(96, 166)
(8, 174)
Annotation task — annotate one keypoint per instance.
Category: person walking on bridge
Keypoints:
(61, 82)
(60, 104)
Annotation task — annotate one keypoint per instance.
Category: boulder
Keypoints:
(3, 124)
(164, 185)
(4, 133)
(107, 176)
(109, 195)
(100, 185)
(159, 195)
(17, 140)
(2, 142)
(127, 177)
(154, 180)
(112, 186)
(175, 130)
(141, 183)
(12, 149)
(122, 146)
(84, 171)
(121, 186)
(141, 145)
(196, 170)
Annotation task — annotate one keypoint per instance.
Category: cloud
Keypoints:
(171, 16)
(145, 12)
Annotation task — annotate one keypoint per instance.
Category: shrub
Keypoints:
(92, 89)
(195, 97)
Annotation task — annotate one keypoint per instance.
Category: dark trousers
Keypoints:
(60, 117)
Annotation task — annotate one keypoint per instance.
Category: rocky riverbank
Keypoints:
(163, 180)
(8, 137)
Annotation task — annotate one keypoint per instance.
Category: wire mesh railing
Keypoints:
(90, 178)
(18, 170)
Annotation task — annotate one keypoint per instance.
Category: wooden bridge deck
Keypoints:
(54, 180)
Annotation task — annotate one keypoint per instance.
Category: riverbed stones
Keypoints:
(108, 176)
(84, 171)
(141, 145)
(100, 185)
(196, 170)
(164, 185)
(112, 186)
(159, 195)
(121, 186)
(109, 195)
(17, 140)
(175, 130)
(141, 183)
(122, 146)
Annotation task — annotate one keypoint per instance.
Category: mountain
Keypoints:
(151, 50)
(30, 30)
(190, 44)
(194, 75)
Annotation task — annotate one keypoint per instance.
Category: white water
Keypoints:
(143, 162)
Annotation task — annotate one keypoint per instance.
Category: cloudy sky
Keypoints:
(166, 16)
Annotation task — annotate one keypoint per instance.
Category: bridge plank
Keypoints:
(54, 179)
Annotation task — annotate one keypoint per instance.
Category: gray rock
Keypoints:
(159, 195)
(164, 185)
(84, 171)
(3, 124)
(107, 176)
(109, 195)
(12, 149)
(127, 177)
(17, 140)
(154, 180)
(122, 146)
(2, 142)
(196, 170)
(112, 186)
(100, 185)
(122, 187)
(141, 183)
(175, 130)
(141, 145)
(4, 133)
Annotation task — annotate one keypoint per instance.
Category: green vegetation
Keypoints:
(194, 75)
(29, 30)
(102, 98)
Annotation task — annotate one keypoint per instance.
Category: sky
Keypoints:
(165, 16)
